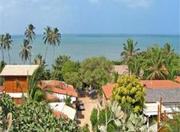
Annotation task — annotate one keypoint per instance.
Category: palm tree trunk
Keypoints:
(2, 54)
(54, 52)
(9, 57)
(46, 53)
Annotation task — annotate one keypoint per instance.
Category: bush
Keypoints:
(93, 117)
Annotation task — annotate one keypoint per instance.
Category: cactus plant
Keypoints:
(5, 121)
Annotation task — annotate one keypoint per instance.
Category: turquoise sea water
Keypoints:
(83, 46)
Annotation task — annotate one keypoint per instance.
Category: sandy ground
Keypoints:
(89, 104)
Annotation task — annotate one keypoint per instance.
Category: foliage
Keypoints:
(85, 128)
(7, 104)
(38, 60)
(51, 36)
(173, 125)
(111, 118)
(93, 117)
(155, 63)
(57, 67)
(5, 122)
(25, 52)
(70, 73)
(95, 71)
(37, 116)
(29, 32)
(2, 65)
(129, 50)
(67, 101)
(5, 44)
(129, 93)
(34, 116)
(34, 92)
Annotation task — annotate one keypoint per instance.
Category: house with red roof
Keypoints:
(58, 90)
(168, 90)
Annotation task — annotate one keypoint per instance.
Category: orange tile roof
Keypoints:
(107, 90)
(177, 79)
(58, 114)
(56, 86)
(155, 84)
(160, 84)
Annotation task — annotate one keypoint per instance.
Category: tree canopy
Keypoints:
(129, 92)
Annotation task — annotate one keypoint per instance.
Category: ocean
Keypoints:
(80, 47)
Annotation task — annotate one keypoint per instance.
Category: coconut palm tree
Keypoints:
(2, 45)
(156, 68)
(8, 43)
(51, 36)
(129, 49)
(25, 52)
(38, 60)
(29, 33)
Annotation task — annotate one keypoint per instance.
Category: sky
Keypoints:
(92, 16)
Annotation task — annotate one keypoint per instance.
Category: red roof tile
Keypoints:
(160, 84)
(58, 87)
(107, 90)
(155, 84)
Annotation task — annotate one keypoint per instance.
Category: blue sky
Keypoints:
(92, 16)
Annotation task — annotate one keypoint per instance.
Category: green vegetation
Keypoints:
(112, 118)
(129, 93)
(51, 36)
(33, 116)
(155, 63)
(95, 72)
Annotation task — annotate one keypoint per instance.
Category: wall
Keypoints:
(16, 84)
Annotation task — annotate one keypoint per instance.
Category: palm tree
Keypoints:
(51, 37)
(38, 60)
(25, 52)
(156, 68)
(8, 43)
(29, 33)
(168, 49)
(2, 45)
(129, 49)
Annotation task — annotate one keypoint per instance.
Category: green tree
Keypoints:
(95, 72)
(29, 33)
(7, 44)
(129, 49)
(129, 93)
(2, 45)
(25, 52)
(2, 65)
(173, 125)
(57, 67)
(70, 73)
(38, 60)
(51, 36)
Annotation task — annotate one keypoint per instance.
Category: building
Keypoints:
(58, 90)
(16, 80)
(154, 90)
(121, 69)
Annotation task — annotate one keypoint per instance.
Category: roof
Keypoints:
(160, 84)
(167, 95)
(61, 108)
(155, 89)
(59, 87)
(107, 90)
(121, 69)
(18, 70)
(177, 79)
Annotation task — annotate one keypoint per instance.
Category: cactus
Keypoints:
(123, 121)
(5, 122)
